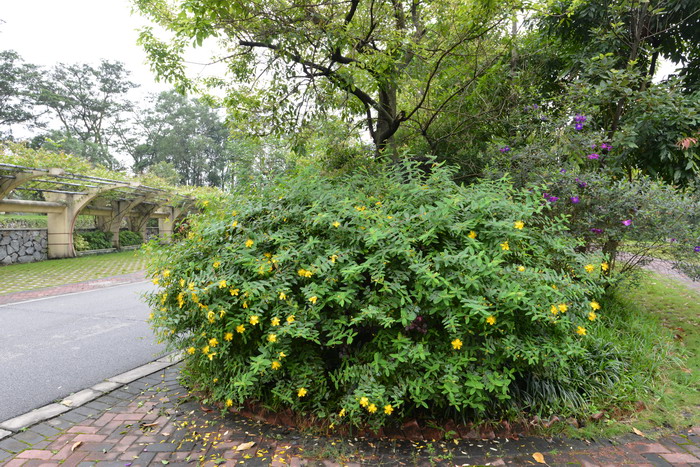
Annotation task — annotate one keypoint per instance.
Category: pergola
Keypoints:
(67, 195)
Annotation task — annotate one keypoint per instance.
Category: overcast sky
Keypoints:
(46, 32)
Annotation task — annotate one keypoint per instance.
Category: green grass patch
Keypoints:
(656, 324)
(39, 221)
(31, 276)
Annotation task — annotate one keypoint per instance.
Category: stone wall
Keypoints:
(23, 245)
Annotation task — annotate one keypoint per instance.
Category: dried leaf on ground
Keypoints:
(538, 457)
(75, 446)
(244, 446)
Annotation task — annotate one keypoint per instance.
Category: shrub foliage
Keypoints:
(378, 296)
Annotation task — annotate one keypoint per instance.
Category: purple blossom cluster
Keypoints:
(697, 249)
(597, 231)
(579, 120)
(505, 149)
(594, 156)
(550, 198)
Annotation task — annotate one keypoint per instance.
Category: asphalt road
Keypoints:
(53, 347)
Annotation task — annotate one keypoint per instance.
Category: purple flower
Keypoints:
(594, 156)
(543, 118)
(673, 240)
(580, 118)
(605, 147)
(578, 127)
(627, 222)
(552, 199)
(597, 231)
(563, 171)
(575, 199)
(697, 249)
(535, 106)
(505, 149)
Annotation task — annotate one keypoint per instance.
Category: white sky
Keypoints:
(46, 32)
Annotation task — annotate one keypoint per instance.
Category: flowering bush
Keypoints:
(377, 296)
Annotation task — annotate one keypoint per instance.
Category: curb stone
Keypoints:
(80, 398)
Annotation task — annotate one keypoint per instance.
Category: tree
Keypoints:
(18, 86)
(89, 102)
(186, 134)
(375, 59)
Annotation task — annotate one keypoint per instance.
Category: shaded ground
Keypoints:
(153, 421)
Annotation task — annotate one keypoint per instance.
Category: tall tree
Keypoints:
(90, 104)
(186, 134)
(18, 87)
(355, 57)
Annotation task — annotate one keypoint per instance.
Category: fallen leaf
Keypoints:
(538, 457)
(244, 446)
(638, 433)
(76, 446)
(145, 425)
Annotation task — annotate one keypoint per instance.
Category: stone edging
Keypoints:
(21, 422)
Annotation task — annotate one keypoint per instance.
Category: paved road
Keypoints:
(52, 347)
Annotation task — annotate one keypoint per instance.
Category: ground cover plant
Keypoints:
(129, 238)
(387, 295)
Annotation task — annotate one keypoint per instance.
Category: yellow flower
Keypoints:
(589, 268)
(249, 243)
(341, 413)
(229, 403)
(216, 264)
(182, 282)
(166, 273)
(563, 307)
(457, 344)
(519, 225)
(245, 304)
(151, 316)
(592, 316)
(213, 342)
(190, 286)
(205, 203)
(360, 208)
(234, 213)
(364, 402)
(505, 245)
(388, 409)
(283, 296)
(233, 292)
(595, 305)
(336, 224)
(334, 258)
(491, 320)
(472, 234)
(205, 349)
(240, 329)
(304, 273)
(554, 310)
(290, 319)
(254, 320)
(275, 321)
(228, 336)
(276, 365)
(301, 392)
(372, 408)
(604, 266)
(155, 281)
(282, 355)
(222, 284)
(389, 217)
(313, 299)
(272, 338)
(521, 268)
(234, 224)
(581, 331)
(222, 313)
(191, 350)
(211, 316)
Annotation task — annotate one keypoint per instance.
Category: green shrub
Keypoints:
(128, 238)
(79, 243)
(378, 296)
(96, 240)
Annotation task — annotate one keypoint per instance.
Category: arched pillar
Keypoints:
(60, 225)
(139, 216)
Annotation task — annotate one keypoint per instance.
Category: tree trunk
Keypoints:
(387, 122)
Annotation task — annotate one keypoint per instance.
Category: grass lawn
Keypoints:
(30, 276)
(662, 324)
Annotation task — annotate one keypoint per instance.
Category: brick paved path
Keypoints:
(153, 421)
